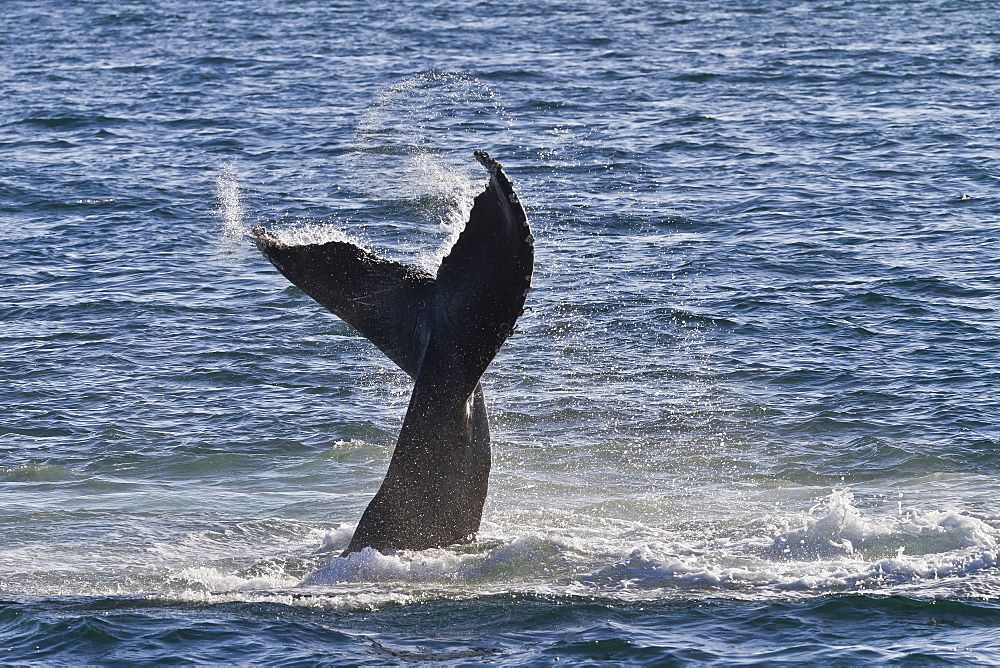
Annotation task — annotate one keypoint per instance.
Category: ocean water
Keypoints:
(751, 414)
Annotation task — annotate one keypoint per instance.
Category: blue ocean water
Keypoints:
(750, 415)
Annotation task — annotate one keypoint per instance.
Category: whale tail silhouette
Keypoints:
(443, 331)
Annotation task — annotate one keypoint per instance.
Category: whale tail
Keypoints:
(476, 297)
(443, 331)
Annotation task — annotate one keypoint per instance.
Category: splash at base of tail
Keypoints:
(443, 331)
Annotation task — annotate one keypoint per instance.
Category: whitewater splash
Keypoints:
(837, 548)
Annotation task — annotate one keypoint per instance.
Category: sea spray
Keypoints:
(230, 208)
(413, 146)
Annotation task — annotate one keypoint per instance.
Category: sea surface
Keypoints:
(752, 411)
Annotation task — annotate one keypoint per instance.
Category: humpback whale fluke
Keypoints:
(443, 331)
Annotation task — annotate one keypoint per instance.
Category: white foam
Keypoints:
(368, 565)
(841, 530)
(208, 578)
(837, 545)
(336, 600)
(838, 548)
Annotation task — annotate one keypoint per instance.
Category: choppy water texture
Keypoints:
(750, 416)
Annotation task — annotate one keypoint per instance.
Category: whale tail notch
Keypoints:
(443, 331)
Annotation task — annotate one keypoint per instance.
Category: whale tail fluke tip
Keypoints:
(486, 161)
(264, 240)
